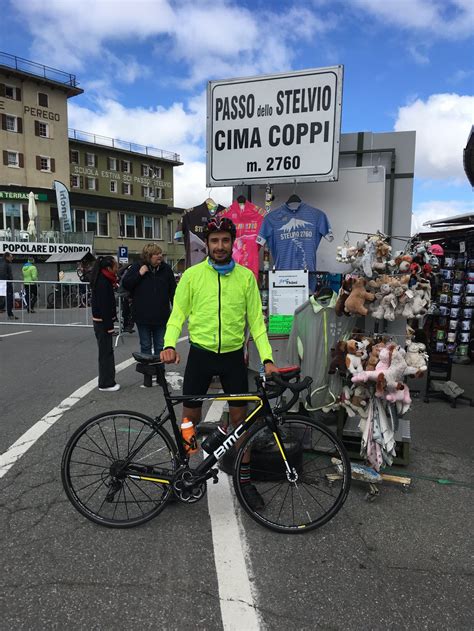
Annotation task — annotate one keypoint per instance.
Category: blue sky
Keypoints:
(144, 65)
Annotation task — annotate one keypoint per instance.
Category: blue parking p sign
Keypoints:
(123, 254)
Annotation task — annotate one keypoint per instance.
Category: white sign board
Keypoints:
(287, 291)
(30, 247)
(276, 128)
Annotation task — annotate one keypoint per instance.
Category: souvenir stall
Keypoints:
(449, 324)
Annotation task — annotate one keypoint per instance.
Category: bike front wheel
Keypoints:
(92, 471)
(307, 496)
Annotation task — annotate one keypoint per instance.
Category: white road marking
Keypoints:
(175, 380)
(28, 439)
(230, 553)
(17, 333)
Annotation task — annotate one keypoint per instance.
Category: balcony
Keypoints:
(33, 68)
(123, 145)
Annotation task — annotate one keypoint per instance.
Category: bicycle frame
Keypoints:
(204, 470)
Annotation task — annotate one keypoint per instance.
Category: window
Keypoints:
(147, 191)
(11, 92)
(91, 160)
(54, 223)
(74, 156)
(113, 186)
(170, 230)
(13, 159)
(91, 184)
(139, 226)
(102, 224)
(130, 226)
(96, 221)
(79, 221)
(170, 262)
(45, 163)
(159, 193)
(43, 99)
(11, 122)
(126, 188)
(75, 182)
(41, 129)
(148, 225)
(126, 166)
(112, 164)
(158, 228)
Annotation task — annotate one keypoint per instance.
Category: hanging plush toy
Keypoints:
(417, 357)
(355, 301)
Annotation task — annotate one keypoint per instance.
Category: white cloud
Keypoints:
(214, 38)
(450, 19)
(442, 124)
(190, 189)
(432, 210)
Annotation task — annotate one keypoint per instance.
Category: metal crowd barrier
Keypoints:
(56, 304)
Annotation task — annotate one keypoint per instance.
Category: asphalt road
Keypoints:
(401, 562)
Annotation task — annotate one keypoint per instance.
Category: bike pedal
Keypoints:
(215, 476)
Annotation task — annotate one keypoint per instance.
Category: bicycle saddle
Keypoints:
(145, 358)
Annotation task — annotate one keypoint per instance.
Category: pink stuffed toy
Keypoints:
(400, 396)
(378, 373)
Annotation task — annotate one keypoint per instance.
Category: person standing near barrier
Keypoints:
(152, 285)
(6, 273)
(103, 281)
(30, 276)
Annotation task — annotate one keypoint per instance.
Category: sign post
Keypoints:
(122, 255)
(274, 129)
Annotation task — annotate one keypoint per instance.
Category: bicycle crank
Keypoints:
(186, 488)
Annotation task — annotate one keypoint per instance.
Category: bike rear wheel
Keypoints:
(308, 498)
(90, 469)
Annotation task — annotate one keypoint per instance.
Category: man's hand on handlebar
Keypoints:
(270, 368)
(169, 356)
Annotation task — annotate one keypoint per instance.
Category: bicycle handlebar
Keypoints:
(283, 384)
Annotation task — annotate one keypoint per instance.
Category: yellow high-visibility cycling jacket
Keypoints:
(217, 307)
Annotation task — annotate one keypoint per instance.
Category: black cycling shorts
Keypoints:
(203, 365)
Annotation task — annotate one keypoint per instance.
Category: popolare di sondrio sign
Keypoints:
(275, 128)
(29, 247)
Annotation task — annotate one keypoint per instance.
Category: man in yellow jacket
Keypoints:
(218, 297)
(30, 276)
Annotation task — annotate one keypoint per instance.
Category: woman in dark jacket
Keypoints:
(103, 280)
(151, 284)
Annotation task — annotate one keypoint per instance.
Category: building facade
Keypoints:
(121, 194)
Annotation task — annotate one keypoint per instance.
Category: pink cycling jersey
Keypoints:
(247, 222)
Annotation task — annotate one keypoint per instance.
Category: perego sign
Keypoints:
(16, 247)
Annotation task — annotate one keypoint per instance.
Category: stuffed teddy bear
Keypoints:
(354, 354)
(416, 357)
(382, 253)
(355, 301)
(343, 294)
(398, 369)
(356, 401)
(386, 304)
(378, 373)
(338, 358)
(374, 356)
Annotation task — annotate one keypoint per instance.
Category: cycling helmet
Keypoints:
(220, 224)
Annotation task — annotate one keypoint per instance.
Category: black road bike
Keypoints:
(120, 468)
